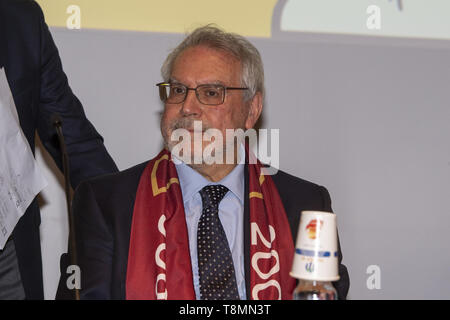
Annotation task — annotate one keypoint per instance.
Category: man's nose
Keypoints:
(191, 105)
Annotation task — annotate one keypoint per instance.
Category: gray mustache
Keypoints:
(188, 124)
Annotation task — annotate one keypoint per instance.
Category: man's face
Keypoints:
(202, 65)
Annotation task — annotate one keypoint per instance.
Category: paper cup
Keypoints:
(316, 255)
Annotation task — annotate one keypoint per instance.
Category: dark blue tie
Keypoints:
(215, 264)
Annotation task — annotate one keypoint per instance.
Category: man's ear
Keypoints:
(254, 111)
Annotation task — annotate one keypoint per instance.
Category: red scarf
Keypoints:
(159, 263)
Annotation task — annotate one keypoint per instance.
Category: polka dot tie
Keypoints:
(215, 264)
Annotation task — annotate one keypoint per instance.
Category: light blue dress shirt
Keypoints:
(231, 215)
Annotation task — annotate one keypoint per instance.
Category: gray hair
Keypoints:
(252, 74)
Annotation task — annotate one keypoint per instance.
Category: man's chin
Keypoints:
(197, 156)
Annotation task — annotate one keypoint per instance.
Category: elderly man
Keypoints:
(170, 229)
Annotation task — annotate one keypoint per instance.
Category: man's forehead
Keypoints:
(201, 64)
(174, 80)
(205, 54)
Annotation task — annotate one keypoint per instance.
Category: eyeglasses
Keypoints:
(209, 94)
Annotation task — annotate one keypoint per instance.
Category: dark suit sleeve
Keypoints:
(87, 154)
(343, 284)
(95, 245)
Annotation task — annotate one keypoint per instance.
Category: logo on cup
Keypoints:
(312, 228)
(309, 267)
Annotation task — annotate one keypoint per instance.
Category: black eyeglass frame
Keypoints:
(161, 86)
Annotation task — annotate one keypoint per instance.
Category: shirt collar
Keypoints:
(192, 182)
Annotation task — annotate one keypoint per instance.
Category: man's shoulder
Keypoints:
(285, 180)
(21, 19)
(21, 9)
(127, 179)
(298, 192)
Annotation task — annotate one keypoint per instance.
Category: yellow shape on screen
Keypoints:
(247, 17)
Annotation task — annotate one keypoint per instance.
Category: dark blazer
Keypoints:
(103, 209)
(40, 89)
